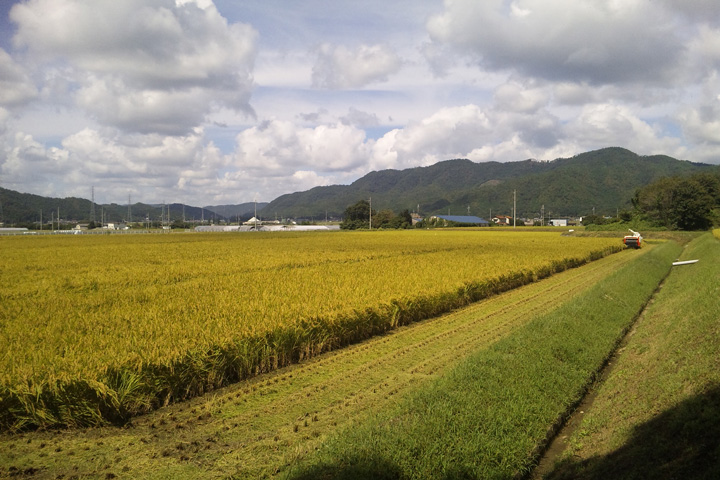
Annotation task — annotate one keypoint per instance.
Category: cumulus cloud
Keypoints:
(701, 121)
(339, 67)
(515, 98)
(279, 148)
(16, 88)
(148, 166)
(579, 41)
(449, 133)
(170, 112)
(139, 56)
(29, 166)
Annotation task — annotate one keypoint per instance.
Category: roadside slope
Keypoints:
(255, 428)
(657, 415)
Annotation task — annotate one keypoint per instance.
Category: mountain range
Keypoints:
(25, 208)
(601, 181)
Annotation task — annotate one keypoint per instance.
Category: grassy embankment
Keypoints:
(96, 330)
(490, 416)
(260, 427)
(657, 415)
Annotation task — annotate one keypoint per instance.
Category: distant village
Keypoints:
(257, 224)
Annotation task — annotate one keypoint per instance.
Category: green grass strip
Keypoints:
(491, 416)
(657, 415)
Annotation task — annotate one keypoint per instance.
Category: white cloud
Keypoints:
(170, 112)
(143, 62)
(700, 121)
(28, 166)
(515, 98)
(579, 41)
(601, 125)
(279, 148)
(449, 133)
(338, 67)
(16, 88)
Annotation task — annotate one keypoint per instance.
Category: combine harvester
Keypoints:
(634, 240)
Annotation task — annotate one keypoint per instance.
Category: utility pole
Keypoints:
(370, 213)
(514, 206)
(542, 216)
(92, 206)
(129, 217)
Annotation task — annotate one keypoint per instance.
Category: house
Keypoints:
(559, 222)
(503, 220)
(466, 219)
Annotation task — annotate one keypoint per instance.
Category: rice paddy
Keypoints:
(98, 329)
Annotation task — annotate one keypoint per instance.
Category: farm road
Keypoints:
(258, 428)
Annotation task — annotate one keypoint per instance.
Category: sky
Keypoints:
(225, 102)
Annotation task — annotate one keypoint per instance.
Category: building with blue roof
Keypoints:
(467, 219)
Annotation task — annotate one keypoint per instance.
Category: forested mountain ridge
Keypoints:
(604, 180)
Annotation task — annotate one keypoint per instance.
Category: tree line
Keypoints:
(358, 216)
(676, 203)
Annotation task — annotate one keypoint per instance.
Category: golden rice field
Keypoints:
(95, 329)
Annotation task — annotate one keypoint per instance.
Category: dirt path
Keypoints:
(259, 427)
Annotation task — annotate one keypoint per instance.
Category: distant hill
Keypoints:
(25, 208)
(604, 179)
(244, 210)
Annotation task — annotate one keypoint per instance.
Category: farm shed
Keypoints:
(503, 220)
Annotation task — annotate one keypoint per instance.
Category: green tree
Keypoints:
(691, 206)
(593, 220)
(383, 219)
(685, 203)
(406, 218)
(356, 216)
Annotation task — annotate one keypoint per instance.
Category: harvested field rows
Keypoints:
(261, 426)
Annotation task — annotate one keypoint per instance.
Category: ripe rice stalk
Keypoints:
(130, 337)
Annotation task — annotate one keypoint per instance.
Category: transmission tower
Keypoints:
(129, 217)
(92, 205)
